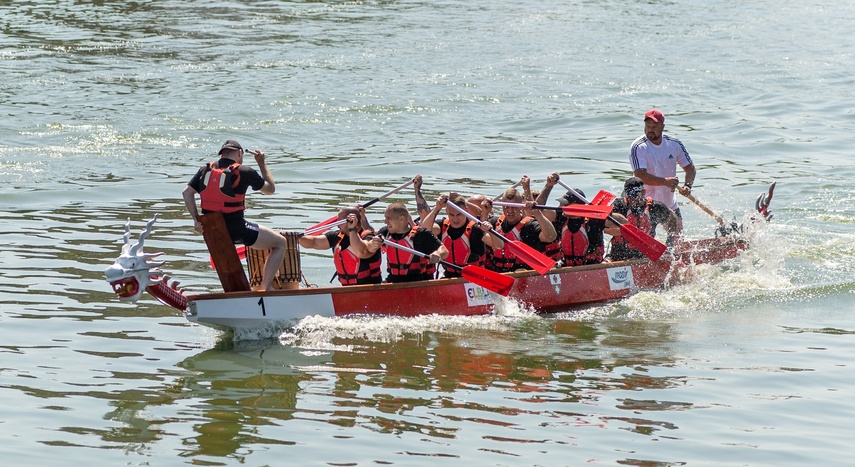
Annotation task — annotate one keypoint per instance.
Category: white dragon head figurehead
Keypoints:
(133, 271)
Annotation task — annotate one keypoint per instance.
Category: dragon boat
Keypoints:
(237, 307)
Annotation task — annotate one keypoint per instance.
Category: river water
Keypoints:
(108, 108)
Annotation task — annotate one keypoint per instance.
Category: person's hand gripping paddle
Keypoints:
(490, 280)
(537, 260)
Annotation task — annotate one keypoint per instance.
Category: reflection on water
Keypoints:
(238, 399)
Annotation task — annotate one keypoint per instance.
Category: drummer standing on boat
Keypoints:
(654, 158)
(222, 187)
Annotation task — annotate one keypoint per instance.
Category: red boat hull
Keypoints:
(558, 290)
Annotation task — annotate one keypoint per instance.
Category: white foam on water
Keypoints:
(320, 332)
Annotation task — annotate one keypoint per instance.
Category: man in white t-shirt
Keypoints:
(654, 158)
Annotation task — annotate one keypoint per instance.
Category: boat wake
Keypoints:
(322, 333)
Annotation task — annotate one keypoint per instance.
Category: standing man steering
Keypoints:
(654, 158)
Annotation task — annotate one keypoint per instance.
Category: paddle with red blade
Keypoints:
(647, 245)
(369, 203)
(576, 210)
(603, 198)
(490, 280)
(537, 260)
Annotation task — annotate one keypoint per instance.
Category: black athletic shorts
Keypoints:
(244, 232)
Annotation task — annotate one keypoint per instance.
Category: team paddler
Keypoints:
(644, 213)
(401, 265)
(526, 225)
(580, 239)
(464, 239)
(357, 260)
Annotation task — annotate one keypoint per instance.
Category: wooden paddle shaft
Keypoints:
(703, 207)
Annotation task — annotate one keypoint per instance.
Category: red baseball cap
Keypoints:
(655, 115)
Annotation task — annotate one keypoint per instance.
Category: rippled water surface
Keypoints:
(108, 108)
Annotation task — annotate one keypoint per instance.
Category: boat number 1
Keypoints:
(261, 304)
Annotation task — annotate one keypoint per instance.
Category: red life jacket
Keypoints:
(642, 221)
(351, 269)
(553, 249)
(403, 263)
(428, 269)
(595, 256)
(574, 245)
(459, 249)
(218, 192)
(502, 260)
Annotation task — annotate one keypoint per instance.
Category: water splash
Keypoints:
(317, 332)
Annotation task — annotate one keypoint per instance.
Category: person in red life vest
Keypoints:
(642, 212)
(222, 187)
(464, 239)
(580, 240)
(401, 265)
(519, 224)
(357, 260)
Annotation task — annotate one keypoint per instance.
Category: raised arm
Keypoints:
(543, 197)
(421, 203)
(525, 181)
(429, 221)
(269, 186)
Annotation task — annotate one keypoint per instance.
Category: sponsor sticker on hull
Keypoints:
(620, 278)
(477, 295)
